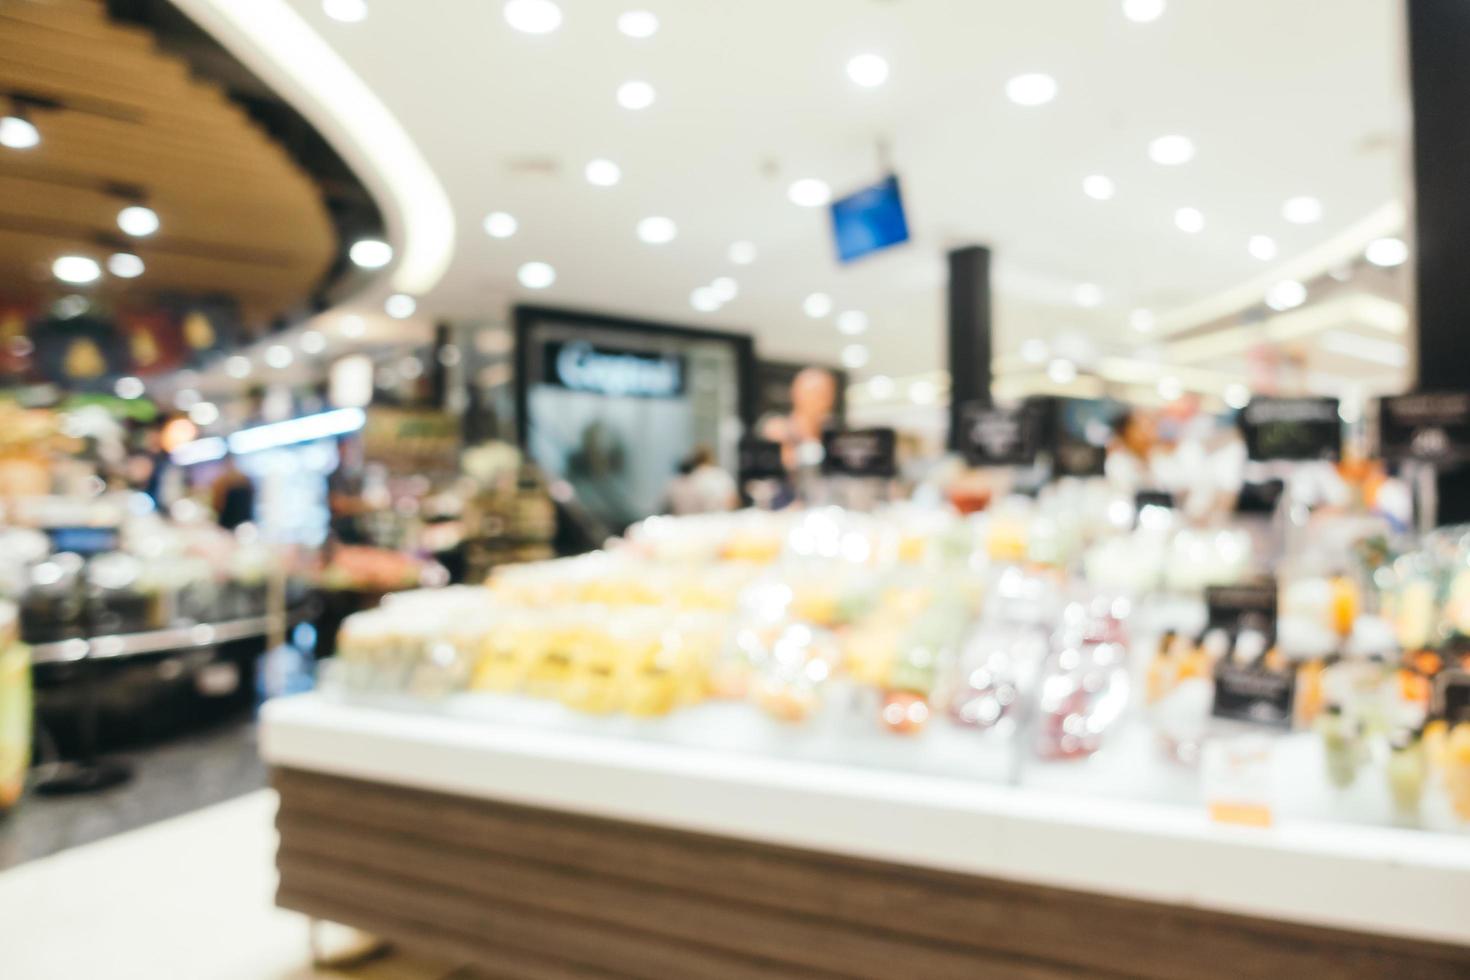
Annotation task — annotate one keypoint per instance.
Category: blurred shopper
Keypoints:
(702, 487)
(234, 497)
(1131, 460)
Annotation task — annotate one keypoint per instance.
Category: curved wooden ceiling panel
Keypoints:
(238, 216)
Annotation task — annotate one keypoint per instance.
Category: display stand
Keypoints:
(88, 773)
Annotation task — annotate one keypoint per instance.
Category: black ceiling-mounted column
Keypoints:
(1439, 74)
(968, 332)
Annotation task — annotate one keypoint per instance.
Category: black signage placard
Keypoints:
(1239, 607)
(760, 459)
(1001, 436)
(1452, 696)
(1255, 694)
(1153, 498)
(1428, 427)
(1079, 430)
(1292, 429)
(1259, 498)
(610, 371)
(860, 452)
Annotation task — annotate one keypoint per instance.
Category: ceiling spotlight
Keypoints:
(1035, 351)
(603, 173)
(1141, 320)
(347, 11)
(1189, 220)
(278, 356)
(1170, 388)
(1171, 151)
(1031, 89)
(657, 230)
(881, 386)
(76, 269)
(1098, 187)
(1061, 371)
(532, 16)
(204, 413)
(400, 306)
(1302, 210)
(638, 23)
(867, 70)
(635, 95)
(1286, 295)
(352, 326)
(312, 342)
(137, 220)
(128, 387)
(1387, 252)
(125, 265)
(237, 366)
(18, 133)
(1237, 395)
(817, 305)
(1088, 295)
(854, 356)
(852, 322)
(705, 299)
(370, 253)
(742, 253)
(536, 275)
(725, 288)
(498, 224)
(809, 192)
(1261, 247)
(1143, 11)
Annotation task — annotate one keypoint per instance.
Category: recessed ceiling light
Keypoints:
(18, 134)
(705, 299)
(278, 356)
(854, 356)
(204, 413)
(347, 11)
(1141, 320)
(603, 173)
(1261, 247)
(312, 342)
(1170, 388)
(1143, 11)
(725, 288)
(498, 224)
(881, 386)
(657, 230)
(809, 192)
(533, 16)
(128, 387)
(1286, 295)
(400, 306)
(352, 326)
(1088, 295)
(867, 70)
(817, 305)
(1061, 371)
(1189, 220)
(126, 265)
(742, 253)
(1302, 210)
(635, 95)
(1035, 351)
(1171, 151)
(1387, 252)
(370, 253)
(1237, 395)
(1031, 89)
(138, 221)
(638, 23)
(76, 269)
(923, 392)
(536, 275)
(852, 322)
(237, 366)
(1098, 187)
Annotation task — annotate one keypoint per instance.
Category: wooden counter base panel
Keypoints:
(531, 893)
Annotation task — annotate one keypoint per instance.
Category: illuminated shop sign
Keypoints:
(581, 366)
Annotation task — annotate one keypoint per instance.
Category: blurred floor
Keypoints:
(190, 897)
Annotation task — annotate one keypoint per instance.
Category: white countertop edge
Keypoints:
(1396, 882)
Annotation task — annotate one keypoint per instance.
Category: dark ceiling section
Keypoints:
(353, 212)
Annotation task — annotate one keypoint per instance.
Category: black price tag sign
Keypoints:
(996, 436)
(1452, 696)
(1292, 428)
(1241, 607)
(860, 453)
(760, 459)
(1427, 427)
(1255, 694)
(1080, 430)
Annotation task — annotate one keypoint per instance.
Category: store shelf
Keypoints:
(1383, 881)
(156, 641)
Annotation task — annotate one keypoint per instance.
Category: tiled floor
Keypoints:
(187, 898)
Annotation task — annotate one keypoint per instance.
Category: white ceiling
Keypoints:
(1281, 99)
